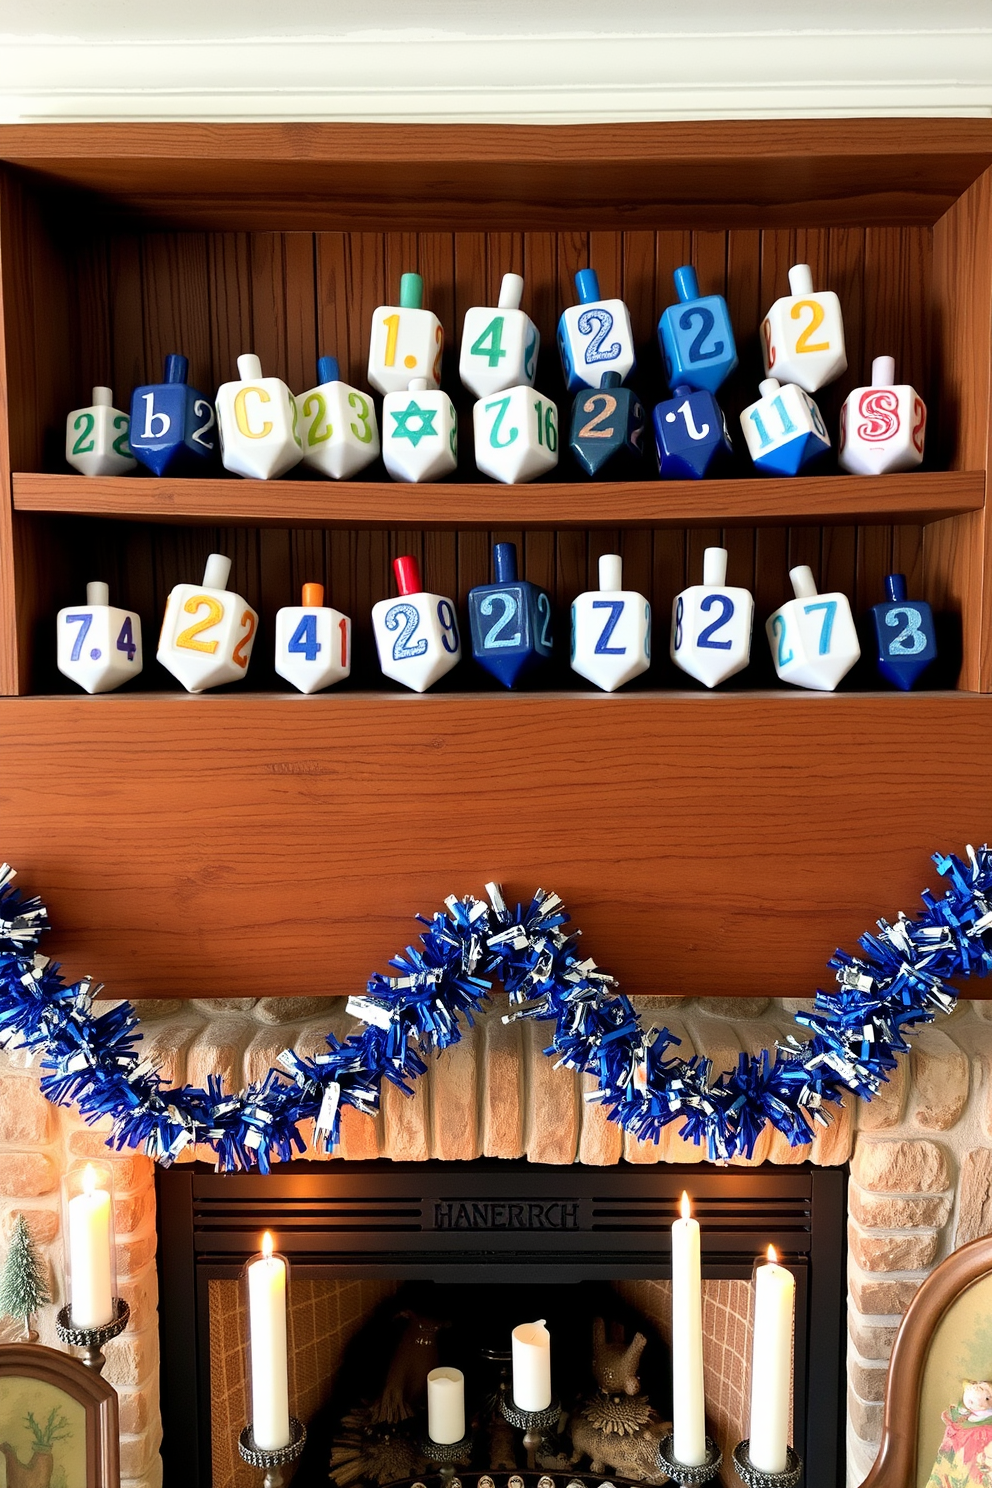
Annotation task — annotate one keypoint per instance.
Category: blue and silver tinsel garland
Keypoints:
(899, 981)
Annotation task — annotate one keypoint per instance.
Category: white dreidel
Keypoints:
(96, 438)
(516, 435)
(416, 635)
(419, 433)
(813, 638)
(802, 336)
(407, 341)
(337, 425)
(499, 344)
(313, 642)
(99, 646)
(256, 423)
(611, 629)
(882, 427)
(208, 630)
(711, 624)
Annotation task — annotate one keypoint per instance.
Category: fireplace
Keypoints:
(356, 1233)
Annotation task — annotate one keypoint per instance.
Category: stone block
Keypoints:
(131, 1357)
(43, 1224)
(131, 1169)
(150, 1478)
(293, 1009)
(600, 1140)
(26, 1118)
(212, 1006)
(975, 1196)
(134, 1411)
(652, 1152)
(137, 1453)
(166, 1046)
(361, 1136)
(884, 1110)
(874, 1251)
(861, 1457)
(886, 1212)
(454, 1101)
(865, 1416)
(881, 1296)
(649, 1006)
(27, 1175)
(940, 1080)
(872, 1339)
(219, 1050)
(867, 1380)
(502, 1106)
(153, 1008)
(552, 1122)
(134, 1210)
(135, 1252)
(311, 1040)
(262, 1053)
(406, 1121)
(833, 1144)
(735, 1008)
(140, 1292)
(901, 1167)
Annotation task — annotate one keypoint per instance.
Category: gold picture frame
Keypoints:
(58, 1421)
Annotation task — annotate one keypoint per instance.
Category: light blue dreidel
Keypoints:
(696, 337)
(99, 646)
(611, 629)
(607, 430)
(96, 438)
(173, 427)
(510, 621)
(904, 635)
(813, 638)
(784, 430)
(416, 635)
(594, 337)
(337, 425)
(711, 624)
(690, 435)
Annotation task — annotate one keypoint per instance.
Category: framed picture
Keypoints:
(58, 1421)
(937, 1427)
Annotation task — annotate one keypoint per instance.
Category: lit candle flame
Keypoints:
(686, 1206)
(89, 1180)
(267, 1246)
(772, 1256)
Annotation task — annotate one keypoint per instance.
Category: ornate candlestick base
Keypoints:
(531, 1423)
(684, 1473)
(754, 1478)
(275, 1460)
(91, 1340)
(446, 1455)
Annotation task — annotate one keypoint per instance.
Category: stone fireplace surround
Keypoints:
(920, 1154)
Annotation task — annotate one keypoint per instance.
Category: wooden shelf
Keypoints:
(821, 500)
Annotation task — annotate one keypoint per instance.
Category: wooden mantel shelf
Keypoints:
(917, 496)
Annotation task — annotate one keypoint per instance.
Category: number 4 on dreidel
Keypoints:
(313, 642)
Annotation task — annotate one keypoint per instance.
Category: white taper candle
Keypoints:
(688, 1400)
(90, 1262)
(269, 1351)
(771, 1365)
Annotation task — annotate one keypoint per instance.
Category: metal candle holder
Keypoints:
(754, 1478)
(445, 1454)
(684, 1473)
(91, 1340)
(531, 1423)
(275, 1460)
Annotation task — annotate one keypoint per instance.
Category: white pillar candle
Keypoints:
(445, 1405)
(688, 1401)
(771, 1365)
(532, 1366)
(90, 1263)
(269, 1353)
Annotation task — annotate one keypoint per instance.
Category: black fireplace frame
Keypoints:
(493, 1221)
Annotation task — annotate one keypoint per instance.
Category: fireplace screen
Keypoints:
(397, 1268)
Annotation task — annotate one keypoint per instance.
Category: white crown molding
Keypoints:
(544, 79)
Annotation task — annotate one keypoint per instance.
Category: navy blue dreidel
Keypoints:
(607, 428)
(510, 621)
(173, 427)
(696, 337)
(690, 435)
(904, 635)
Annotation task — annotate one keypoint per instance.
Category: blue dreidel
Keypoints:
(594, 337)
(690, 435)
(510, 621)
(905, 640)
(784, 429)
(696, 337)
(173, 427)
(607, 428)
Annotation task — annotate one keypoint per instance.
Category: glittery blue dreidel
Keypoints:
(905, 640)
(696, 337)
(607, 428)
(594, 337)
(510, 621)
(690, 435)
(173, 427)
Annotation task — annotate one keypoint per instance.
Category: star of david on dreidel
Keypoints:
(416, 635)
(783, 430)
(337, 425)
(882, 427)
(594, 336)
(419, 433)
(611, 629)
(607, 429)
(696, 337)
(257, 419)
(813, 640)
(96, 441)
(99, 646)
(905, 640)
(207, 630)
(711, 624)
(313, 642)
(690, 435)
(499, 344)
(510, 621)
(407, 341)
(173, 427)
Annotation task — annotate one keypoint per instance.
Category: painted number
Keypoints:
(707, 320)
(544, 611)
(615, 607)
(303, 641)
(598, 324)
(705, 638)
(803, 343)
(778, 630)
(126, 641)
(911, 640)
(770, 351)
(187, 639)
(490, 343)
(84, 622)
(343, 627)
(239, 655)
(201, 407)
(829, 608)
(679, 615)
(919, 425)
(501, 405)
(494, 637)
(406, 616)
(449, 625)
(879, 407)
(549, 434)
(592, 430)
(363, 429)
(315, 434)
(121, 446)
(788, 427)
(392, 324)
(84, 426)
(530, 354)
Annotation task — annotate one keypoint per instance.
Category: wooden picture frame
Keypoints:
(70, 1398)
(896, 1465)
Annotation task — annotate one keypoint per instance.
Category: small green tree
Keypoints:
(22, 1284)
